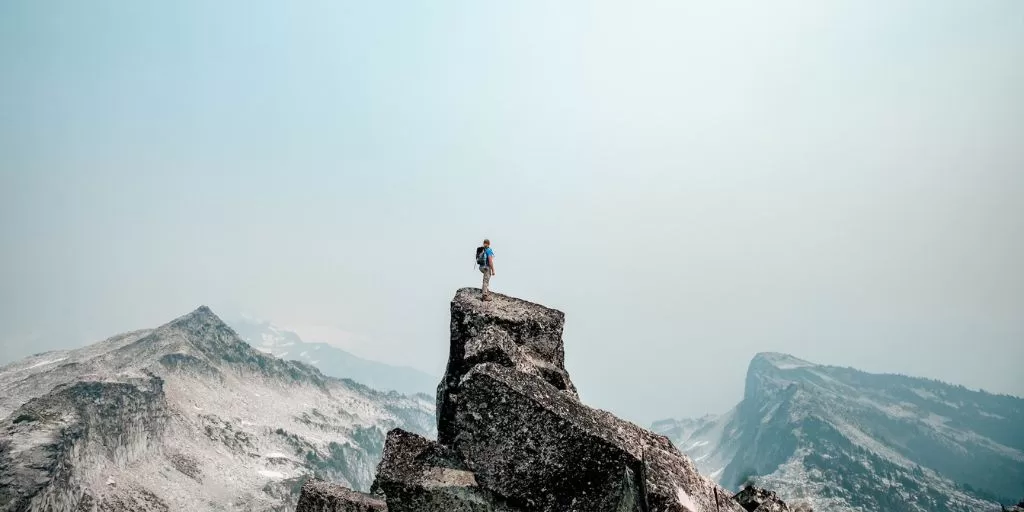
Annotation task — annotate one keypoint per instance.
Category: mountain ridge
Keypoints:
(805, 428)
(185, 416)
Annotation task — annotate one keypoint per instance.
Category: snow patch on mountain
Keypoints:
(44, 363)
(685, 500)
(784, 361)
(178, 417)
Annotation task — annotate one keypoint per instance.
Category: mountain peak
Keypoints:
(165, 418)
(780, 361)
(202, 317)
(203, 311)
(770, 372)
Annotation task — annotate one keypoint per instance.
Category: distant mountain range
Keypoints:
(187, 416)
(845, 440)
(331, 360)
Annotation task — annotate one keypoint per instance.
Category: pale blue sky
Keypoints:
(837, 180)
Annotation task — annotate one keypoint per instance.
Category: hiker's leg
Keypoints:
(487, 281)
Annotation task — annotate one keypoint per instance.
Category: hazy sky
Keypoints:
(691, 182)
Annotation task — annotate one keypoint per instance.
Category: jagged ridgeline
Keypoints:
(185, 417)
(514, 436)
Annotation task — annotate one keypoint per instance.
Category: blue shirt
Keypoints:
(488, 253)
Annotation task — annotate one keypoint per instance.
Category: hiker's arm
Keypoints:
(490, 263)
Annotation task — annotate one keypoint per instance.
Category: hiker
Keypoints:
(485, 261)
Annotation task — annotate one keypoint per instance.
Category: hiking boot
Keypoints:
(485, 297)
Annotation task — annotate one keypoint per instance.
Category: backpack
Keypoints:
(481, 257)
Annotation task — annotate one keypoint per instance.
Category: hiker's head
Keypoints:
(487, 243)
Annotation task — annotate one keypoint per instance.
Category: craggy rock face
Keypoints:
(507, 331)
(753, 499)
(524, 438)
(417, 474)
(318, 496)
(514, 437)
(75, 424)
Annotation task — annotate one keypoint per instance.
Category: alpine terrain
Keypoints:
(845, 440)
(513, 436)
(186, 416)
(332, 360)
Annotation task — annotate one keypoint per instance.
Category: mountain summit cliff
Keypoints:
(847, 440)
(513, 435)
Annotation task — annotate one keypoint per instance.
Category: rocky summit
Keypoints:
(514, 436)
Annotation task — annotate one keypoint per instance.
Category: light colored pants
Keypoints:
(487, 280)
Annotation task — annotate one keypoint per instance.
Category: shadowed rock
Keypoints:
(524, 438)
(319, 496)
(753, 499)
(417, 474)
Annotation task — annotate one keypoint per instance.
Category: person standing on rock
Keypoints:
(485, 260)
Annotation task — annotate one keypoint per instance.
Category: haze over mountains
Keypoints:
(191, 416)
(846, 440)
(333, 361)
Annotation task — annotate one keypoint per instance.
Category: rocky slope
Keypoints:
(846, 440)
(514, 437)
(331, 360)
(186, 416)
